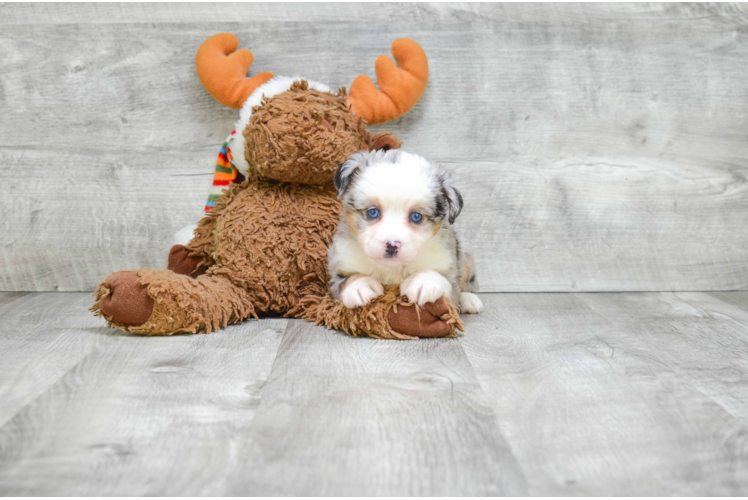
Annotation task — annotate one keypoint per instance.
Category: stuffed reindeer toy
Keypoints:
(261, 246)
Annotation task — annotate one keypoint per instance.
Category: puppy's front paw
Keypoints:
(425, 286)
(470, 303)
(361, 292)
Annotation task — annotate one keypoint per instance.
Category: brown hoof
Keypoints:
(181, 262)
(421, 321)
(128, 302)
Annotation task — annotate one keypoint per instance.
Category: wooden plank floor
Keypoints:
(545, 394)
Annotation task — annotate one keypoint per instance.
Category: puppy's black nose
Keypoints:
(392, 248)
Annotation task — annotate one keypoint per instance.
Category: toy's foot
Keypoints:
(127, 302)
(429, 320)
(181, 262)
(161, 302)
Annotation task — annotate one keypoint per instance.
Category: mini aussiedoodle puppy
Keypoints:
(398, 209)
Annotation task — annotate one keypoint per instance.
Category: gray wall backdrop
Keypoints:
(599, 147)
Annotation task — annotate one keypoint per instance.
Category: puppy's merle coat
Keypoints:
(395, 228)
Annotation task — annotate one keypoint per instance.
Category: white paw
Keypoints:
(470, 303)
(361, 292)
(424, 287)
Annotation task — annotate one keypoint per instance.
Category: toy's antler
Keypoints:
(399, 88)
(223, 72)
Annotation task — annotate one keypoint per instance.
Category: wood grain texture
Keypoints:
(98, 412)
(117, 13)
(598, 147)
(737, 299)
(42, 337)
(56, 247)
(681, 329)
(597, 399)
(545, 394)
(347, 416)
(6, 297)
(597, 224)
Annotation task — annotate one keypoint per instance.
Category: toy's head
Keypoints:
(296, 130)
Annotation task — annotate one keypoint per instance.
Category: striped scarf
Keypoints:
(225, 173)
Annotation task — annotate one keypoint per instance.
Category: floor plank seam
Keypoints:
(495, 418)
(51, 386)
(683, 378)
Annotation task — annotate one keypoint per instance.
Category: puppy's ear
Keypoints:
(346, 172)
(452, 197)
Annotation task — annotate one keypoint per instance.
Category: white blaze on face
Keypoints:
(396, 191)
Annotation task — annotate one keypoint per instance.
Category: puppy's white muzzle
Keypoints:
(391, 252)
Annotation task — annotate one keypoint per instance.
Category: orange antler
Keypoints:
(399, 88)
(223, 72)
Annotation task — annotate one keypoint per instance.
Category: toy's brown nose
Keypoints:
(392, 247)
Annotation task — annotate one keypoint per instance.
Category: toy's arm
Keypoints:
(191, 254)
(193, 258)
(389, 316)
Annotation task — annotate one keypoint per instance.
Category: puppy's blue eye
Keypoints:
(373, 213)
(415, 217)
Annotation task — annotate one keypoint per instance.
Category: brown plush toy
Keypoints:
(262, 248)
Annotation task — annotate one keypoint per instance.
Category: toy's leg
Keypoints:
(151, 302)
(388, 316)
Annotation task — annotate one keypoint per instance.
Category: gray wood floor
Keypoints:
(545, 394)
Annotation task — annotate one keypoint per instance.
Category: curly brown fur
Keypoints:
(265, 242)
(272, 240)
(184, 305)
(302, 135)
(372, 320)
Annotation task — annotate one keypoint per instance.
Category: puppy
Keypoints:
(395, 228)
